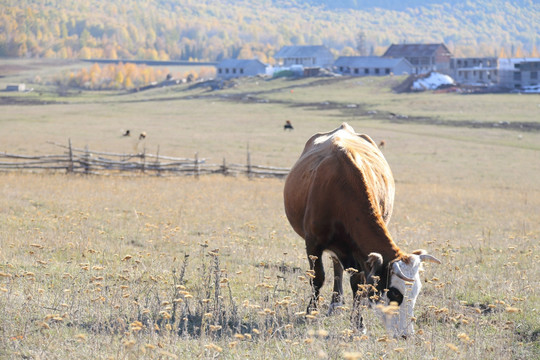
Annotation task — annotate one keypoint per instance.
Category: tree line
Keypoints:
(210, 30)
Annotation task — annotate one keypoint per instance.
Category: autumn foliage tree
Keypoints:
(122, 76)
(213, 30)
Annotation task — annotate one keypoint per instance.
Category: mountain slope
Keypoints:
(211, 29)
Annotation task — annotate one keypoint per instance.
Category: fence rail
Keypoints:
(85, 161)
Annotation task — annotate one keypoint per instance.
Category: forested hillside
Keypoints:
(212, 29)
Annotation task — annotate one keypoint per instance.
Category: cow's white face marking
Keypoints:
(400, 324)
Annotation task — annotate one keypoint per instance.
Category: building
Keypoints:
(372, 66)
(16, 87)
(519, 73)
(423, 57)
(306, 56)
(475, 71)
(233, 68)
(528, 73)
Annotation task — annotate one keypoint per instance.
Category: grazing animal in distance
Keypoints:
(126, 133)
(339, 197)
(382, 143)
(288, 126)
(142, 136)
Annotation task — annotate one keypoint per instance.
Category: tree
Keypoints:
(348, 51)
(361, 45)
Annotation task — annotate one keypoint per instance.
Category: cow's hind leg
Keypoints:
(316, 275)
(337, 295)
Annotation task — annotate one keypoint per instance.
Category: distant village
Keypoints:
(430, 66)
(488, 73)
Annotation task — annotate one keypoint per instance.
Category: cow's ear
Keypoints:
(374, 259)
(375, 262)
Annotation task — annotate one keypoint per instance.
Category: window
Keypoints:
(356, 70)
(220, 71)
(341, 68)
(366, 71)
(234, 71)
(387, 71)
(241, 70)
(377, 71)
(517, 76)
(226, 70)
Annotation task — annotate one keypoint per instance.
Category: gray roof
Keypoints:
(368, 61)
(413, 50)
(295, 51)
(238, 63)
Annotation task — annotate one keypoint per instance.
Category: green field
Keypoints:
(147, 267)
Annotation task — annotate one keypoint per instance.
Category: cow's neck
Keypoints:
(379, 241)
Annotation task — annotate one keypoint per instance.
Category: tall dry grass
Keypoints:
(179, 268)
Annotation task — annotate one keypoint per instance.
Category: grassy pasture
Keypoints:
(129, 267)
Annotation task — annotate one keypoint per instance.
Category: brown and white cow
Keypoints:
(339, 197)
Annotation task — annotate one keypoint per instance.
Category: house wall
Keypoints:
(401, 68)
(517, 75)
(476, 75)
(237, 71)
(441, 61)
(478, 70)
(529, 73)
(306, 62)
(325, 60)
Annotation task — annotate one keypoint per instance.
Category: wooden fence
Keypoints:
(85, 161)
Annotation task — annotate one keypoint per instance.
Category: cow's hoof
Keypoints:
(333, 308)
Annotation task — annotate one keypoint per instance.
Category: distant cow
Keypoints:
(339, 197)
(382, 143)
(288, 126)
(127, 133)
(142, 136)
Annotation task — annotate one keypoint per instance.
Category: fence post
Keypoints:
(70, 166)
(158, 169)
(86, 160)
(224, 167)
(143, 157)
(249, 175)
(197, 165)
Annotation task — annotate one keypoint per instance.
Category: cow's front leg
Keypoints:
(359, 293)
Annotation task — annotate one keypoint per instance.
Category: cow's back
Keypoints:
(338, 174)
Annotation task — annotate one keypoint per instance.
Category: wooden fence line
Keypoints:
(85, 161)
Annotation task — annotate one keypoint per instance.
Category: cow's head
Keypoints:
(398, 285)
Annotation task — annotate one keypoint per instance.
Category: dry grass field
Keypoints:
(174, 267)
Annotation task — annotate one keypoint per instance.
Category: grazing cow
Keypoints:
(339, 197)
(382, 144)
(127, 133)
(288, 126)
